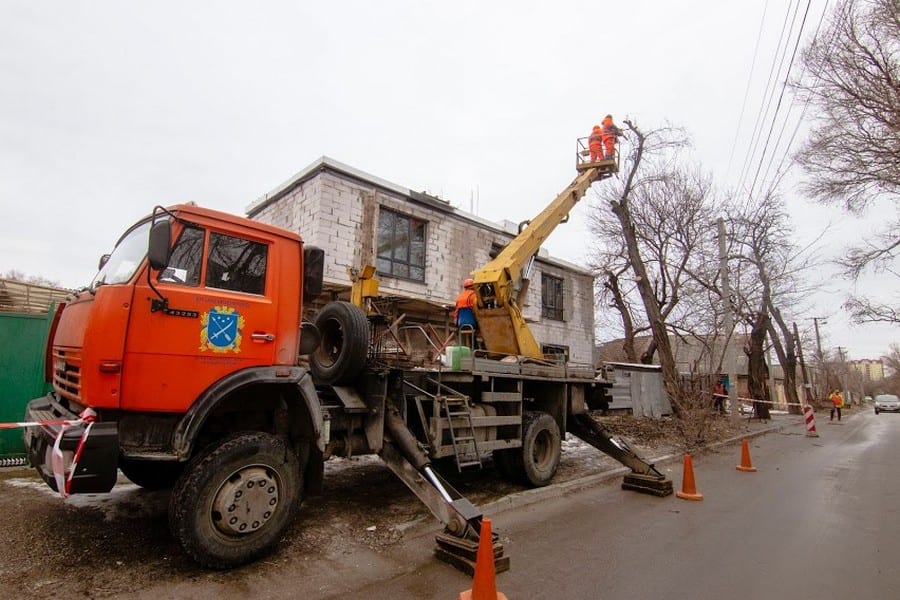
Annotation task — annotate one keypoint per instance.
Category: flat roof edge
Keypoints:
(328, 163)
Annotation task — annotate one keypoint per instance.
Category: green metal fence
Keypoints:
(22, 341)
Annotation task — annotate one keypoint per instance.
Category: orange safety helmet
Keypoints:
(596, 127)
(469, 283)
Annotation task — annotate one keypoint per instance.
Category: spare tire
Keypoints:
(344, 347)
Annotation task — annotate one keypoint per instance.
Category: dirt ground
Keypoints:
(98, 546)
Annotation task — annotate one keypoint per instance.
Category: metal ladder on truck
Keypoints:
(450, 407)
(455, 407)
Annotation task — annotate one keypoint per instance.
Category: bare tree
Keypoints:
(648, 230)
(612, 295)
(769, 269)
(851, 77)
(864, 310)
(891, 360)
(16, 275)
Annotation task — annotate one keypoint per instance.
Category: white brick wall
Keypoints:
(339, 214)
(576, 330)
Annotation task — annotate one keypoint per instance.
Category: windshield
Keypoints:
(126, 257)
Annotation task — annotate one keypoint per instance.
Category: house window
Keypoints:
(560, 353)
(551, 297)
(401, 245)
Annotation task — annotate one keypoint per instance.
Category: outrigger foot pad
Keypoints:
(462, 552)
(647, 484)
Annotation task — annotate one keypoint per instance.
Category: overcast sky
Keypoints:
(109, 108)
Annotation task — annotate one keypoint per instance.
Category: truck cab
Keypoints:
(161, 353)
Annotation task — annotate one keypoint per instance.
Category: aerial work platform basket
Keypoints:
(583, 160)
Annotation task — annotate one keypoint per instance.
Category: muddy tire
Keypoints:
(151, 475)
(342, 352)
(235, 500)
(536, 462)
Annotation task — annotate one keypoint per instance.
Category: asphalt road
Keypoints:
(818, 520)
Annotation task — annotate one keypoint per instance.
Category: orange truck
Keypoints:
(191, 350)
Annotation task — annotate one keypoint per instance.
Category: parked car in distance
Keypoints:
(887, 402)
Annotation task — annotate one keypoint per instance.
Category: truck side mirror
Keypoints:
(103, 260)
(313, 272)
(160, 246)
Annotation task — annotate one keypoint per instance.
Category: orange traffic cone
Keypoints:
(484, 584)
(688, 488)
(745, 465)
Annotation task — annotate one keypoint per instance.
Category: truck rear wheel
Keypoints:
(150, 474)
(536, 462)
(345, 343)
(235, 500)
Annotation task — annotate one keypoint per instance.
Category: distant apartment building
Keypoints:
(871, 370)
(423, 249)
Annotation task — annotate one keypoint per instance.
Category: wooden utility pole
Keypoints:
(844, 377)
(821, 359)
(730, 361)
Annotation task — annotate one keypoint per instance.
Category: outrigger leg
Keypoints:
(458, 544)
(644, 477)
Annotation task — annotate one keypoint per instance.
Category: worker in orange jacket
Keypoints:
(837, 403)
(595, 143)
(465, 305)
(609, 135)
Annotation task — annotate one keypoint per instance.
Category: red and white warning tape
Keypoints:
(63, 422)
(61, 474)
(742, 399)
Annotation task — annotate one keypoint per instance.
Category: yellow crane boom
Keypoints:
(500, 320)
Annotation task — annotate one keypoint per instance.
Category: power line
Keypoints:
(780, 98)
(754, 139)
(779, 172)
(762, 22)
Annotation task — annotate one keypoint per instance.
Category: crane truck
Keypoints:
(188, 364)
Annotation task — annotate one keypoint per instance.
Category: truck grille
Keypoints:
(67, 373)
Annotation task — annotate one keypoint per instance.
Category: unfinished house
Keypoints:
(423, 248)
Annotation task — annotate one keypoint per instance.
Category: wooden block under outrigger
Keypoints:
(462, 553)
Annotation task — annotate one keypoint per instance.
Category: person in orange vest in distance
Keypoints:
(609, 135)
(595, 143)
(719, 394)
(464, 315)
(837, 403)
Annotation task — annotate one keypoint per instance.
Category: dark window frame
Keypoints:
(406, 247)
(552, 297)
(555, 350)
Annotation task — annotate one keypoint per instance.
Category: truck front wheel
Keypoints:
(234, 502)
